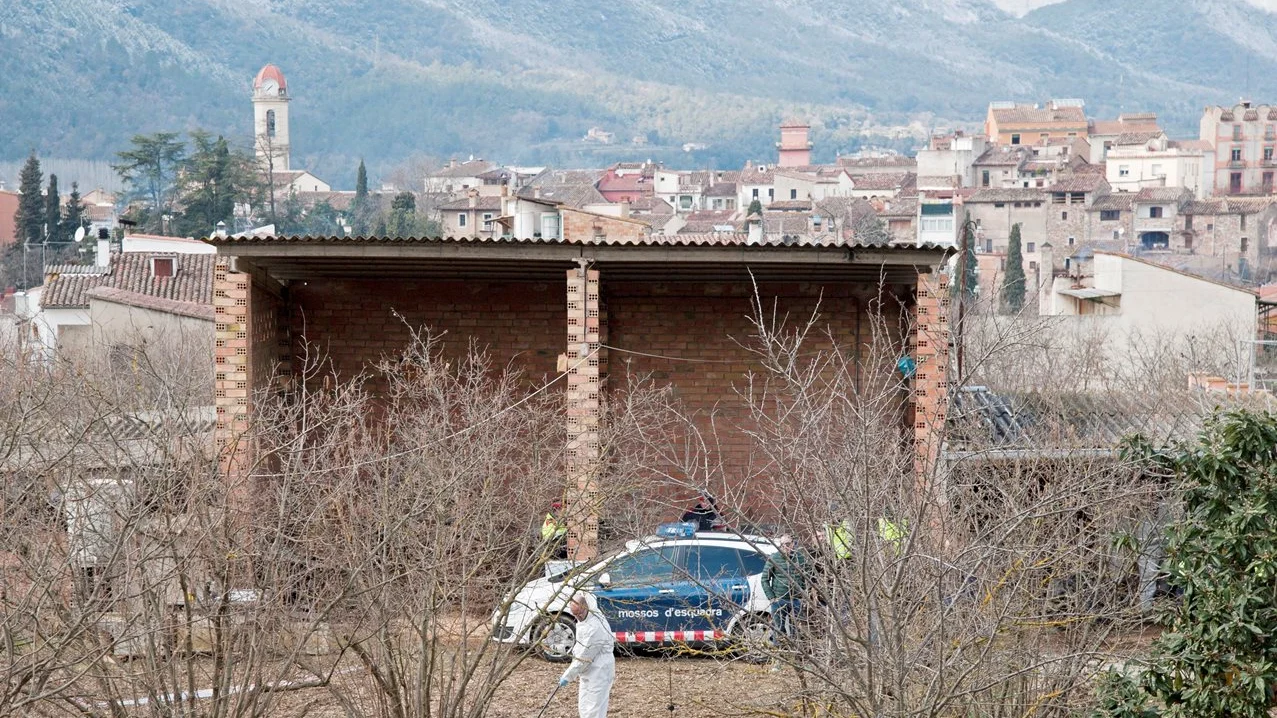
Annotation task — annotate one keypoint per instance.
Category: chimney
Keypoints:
(623, 210)
(104, 248)
(452, 162)
(754, 228)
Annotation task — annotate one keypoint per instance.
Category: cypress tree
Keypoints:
(30, 215)
(1013, 278)
(53, 210)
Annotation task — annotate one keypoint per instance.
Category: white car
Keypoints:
(679, 586)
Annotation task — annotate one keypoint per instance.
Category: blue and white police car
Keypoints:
(678, 586)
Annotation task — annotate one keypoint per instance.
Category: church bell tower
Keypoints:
(270, 118)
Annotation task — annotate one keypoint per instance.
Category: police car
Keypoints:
(678, 586)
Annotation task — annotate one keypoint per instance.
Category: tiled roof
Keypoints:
(192, 282)
(680, 240)
(752, 175)
(144, 301)
(881, 180)
(1191, 145)
(1009, 194)
(1120, 201)
(1207, 206)
(571, 195)
(1248, 205)
(486, 204)
(1136, 138)
(795, 205)
(1003, 156)
(721, 189)
(1161, 194)
(897, 162)
(899, 207)
(651, 205)
(1028, 114)
(470, 168)
(1129, 122)
(1079, 182)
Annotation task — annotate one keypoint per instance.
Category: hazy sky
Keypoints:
(1020, 7)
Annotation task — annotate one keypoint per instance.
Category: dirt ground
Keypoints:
(701, 687)
(643, 688)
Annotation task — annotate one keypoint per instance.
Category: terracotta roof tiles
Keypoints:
(192, 280)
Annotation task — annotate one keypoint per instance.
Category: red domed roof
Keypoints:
(272, 72)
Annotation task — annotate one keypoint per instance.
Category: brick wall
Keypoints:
(708, 323)
(354, 321)
(585, 226)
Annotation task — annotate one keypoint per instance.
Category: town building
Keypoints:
(1126, 305)
(1103, 134)
(952, 156)
(456, 178)
(8, 228)
(1243, 137)
(627, 181)
(1009, 123)
(1149, 159)
(794, 148)
(126, 299)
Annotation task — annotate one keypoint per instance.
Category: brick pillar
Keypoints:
(583, 414)
(930, 344)
(232, 387)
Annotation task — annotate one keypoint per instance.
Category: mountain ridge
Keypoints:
(446, 77)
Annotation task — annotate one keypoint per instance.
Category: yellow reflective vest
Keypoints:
(839, 537)
(552, 529)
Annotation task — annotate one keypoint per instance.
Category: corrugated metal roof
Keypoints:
(982, 418)
(709, 239)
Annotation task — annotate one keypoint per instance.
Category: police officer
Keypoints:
(554, 531)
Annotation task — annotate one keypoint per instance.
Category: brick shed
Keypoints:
(654, 303)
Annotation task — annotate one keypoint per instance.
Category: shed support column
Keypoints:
(930, 344)
(232, 389)
(583, 500)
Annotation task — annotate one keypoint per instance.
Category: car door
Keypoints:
(634, 597)
(710, 590)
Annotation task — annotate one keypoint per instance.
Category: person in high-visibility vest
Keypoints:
(890, 532)
(554, 531)
(839, 537)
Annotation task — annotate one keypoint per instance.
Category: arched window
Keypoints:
(270, 123)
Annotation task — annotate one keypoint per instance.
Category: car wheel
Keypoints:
(753, 638)
(553, 638)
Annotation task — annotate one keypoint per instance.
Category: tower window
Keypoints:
(270, 123)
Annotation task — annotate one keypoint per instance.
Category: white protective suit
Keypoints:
(593, 663)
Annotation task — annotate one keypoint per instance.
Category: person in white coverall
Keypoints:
(592, 660)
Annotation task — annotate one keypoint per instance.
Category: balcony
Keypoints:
(1236, 164)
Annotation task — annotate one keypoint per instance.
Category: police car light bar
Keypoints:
(684, 529)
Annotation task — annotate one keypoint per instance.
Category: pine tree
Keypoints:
(53, 211)
(72, 213)
(1013, 279)
(30, 215)
(403, 215)
(214, 180)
